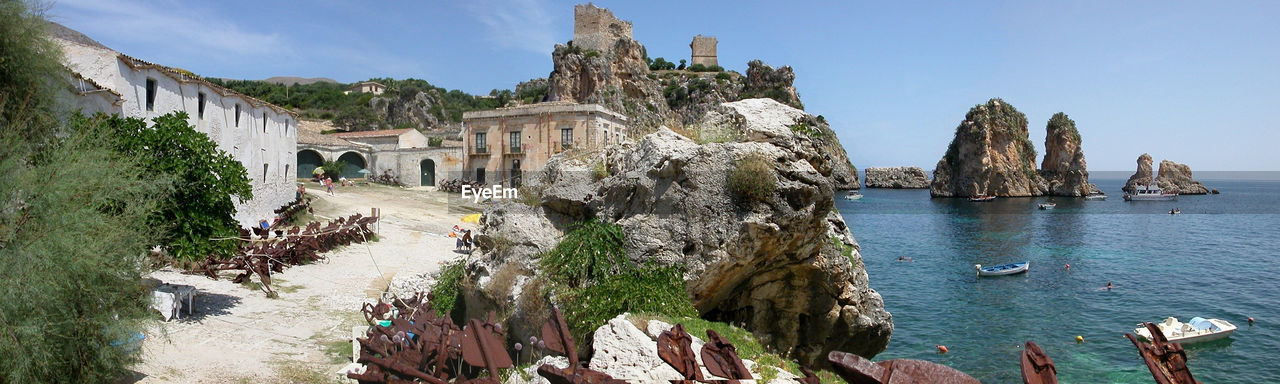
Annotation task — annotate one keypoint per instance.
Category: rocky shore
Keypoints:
(897, 177)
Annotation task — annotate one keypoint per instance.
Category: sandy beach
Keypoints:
(238, 334)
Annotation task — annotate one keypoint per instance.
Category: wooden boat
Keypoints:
(982, 198)
(853, 195)
(1048, 205)
(1004, 269)
(1197, 330)
(1037, 367)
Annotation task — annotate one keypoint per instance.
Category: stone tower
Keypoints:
(704, 50)
(595, 28)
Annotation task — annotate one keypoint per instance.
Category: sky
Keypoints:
(1193, 82)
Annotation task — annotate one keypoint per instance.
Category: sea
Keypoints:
(1217, 259)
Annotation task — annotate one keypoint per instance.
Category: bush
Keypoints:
(591, 250)
(599, 171)
(435, 141)
(660, 64)
(333, 169)
(206, 181)
(444, 293)
(704, 68)
(723, 76)
(752, 179)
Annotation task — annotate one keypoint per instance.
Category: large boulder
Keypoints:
(1064, 168)
(784, 266)
(991, 154)
(1176, 177)
(897, 177)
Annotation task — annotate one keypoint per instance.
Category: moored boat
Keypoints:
(1095, 196)
(1048, 205)
(854, 195)
(1149, 193)
(1004, 269)
(1197, 330)
(982, 198)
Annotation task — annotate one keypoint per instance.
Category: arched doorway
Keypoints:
(308, 161)
(428, 169)
(355, 163)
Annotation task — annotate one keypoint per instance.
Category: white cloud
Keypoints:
(175, 26)
(520, 24)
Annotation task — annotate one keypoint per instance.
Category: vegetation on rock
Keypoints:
(752, 179)
(445, 291)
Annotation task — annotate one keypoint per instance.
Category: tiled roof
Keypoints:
(76, 76)
(188, 77)
(382, 133)
(309, 133)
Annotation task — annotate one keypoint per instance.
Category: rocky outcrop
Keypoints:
(991, 154)
(786, 266)
(897, 177)
(764, 81)
(415, 110)
(616, 78)
(1064, 169)
(1173, 177)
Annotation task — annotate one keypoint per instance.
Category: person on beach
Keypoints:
(328, 184)
(302, 190)
(466, 240)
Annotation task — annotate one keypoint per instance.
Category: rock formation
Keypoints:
(1064, 168)
(764, 81)
(991, 154)
(415, 109)
(1173, 177)
(786, 266)
(897, 177)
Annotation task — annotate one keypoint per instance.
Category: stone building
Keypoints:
(403, 153)
(259, 135)
(596, 29)
(367, 87)
(704, 50)
(500, 145)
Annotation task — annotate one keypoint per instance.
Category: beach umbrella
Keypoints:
(472, 218)
(318, 171)
(365, 171)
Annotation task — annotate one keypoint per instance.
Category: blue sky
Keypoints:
(1197, 83)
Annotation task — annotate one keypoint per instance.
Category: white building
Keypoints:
(367, 87)
(261, 136)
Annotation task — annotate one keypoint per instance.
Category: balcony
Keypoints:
(480, 150)
(515, 150)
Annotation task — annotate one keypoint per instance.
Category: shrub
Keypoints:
(444, 293)
(591, 250)
(333, 169)
(650, 289)
(698, 67)
(592, 54)
(661, 64)
(723, 76)
(435, 141)
(599, 171)
(752, 179)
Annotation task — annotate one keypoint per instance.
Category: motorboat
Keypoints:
(1149, 193)
(1095, 196)
(982, 198)
(854, 195)
(1048, 205)
(1004, 269)
(1197, 330)
(1175, 211)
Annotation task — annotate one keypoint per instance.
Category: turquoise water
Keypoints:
(1216, 260)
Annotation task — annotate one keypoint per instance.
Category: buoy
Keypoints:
(941, 348)
(1250, 321)
(1068, 266)
(1079, 339)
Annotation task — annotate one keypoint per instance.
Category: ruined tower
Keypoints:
(704, 50)
(595, 28)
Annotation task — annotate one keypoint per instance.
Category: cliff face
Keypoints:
(415, 110)
(784, 266)
(616, 78)
(991, 154)
(897, 177)
(1064, 168)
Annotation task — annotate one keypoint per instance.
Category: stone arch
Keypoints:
(355, 163)
(428, 170)
(308, 161)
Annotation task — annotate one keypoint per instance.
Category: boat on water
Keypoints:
(853, 195)
(982, 198)
(1149, 193)
(1004, 269)
(1048, 205)
(1197, 330)
(1095, 196)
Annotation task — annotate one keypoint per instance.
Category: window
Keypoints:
(566, 138)
(286, 170)
(286, 127)
(264, 172)
(481, 145)
(151, 94)
(480, 175)
(515, 142)
(200, 106)
(264, 122)
(237, 114)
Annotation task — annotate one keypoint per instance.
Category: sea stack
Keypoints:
(991, 154)
(1172, 177)
(897, 178)
(1142, 176)
(1064, 169)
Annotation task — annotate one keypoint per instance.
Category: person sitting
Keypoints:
(466, 240)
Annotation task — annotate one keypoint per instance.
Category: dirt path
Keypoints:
(237, 334)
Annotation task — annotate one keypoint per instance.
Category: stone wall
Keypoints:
(596, 29)
(704, 50)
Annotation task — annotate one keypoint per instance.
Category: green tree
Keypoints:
(681, 66)
(206, 180)
(357, 118)
(73, 238)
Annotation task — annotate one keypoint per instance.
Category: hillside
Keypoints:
(291, 80)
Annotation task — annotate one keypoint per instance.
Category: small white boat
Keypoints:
(1005, 269)
(1197, 330)
(1149, 193)
(982, 198)
(1048, 205)
(853, 196)
(1096, 196)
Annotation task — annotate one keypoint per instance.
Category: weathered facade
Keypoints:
(259, 135)
(403, 153)
(500, 145)
(367, 87)
(704, 51)
(596, 29)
